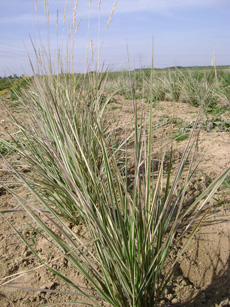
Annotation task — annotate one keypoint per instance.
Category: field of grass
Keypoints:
(184, 85)
(116, 178)
(13, 86)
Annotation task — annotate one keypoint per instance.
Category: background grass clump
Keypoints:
(183, 85)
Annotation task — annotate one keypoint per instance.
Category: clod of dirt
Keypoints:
(2, 191)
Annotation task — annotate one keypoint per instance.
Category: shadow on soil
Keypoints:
(217, 261)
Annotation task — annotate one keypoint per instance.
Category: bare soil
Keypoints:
(202, 277)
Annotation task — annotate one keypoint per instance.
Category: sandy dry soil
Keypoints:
(202, 277)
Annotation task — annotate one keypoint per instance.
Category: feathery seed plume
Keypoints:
(47, 19)
(76, 29)
(110, 17)
(46, 11)
(91, 47)
(36, 5)
(74, 11)
(65, 13)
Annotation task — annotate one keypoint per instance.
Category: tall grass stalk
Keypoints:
(133, 210)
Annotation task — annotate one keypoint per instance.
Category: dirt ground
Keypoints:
(202, 276)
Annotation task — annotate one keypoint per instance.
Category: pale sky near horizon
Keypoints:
(183, 31)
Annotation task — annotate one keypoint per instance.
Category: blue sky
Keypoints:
(182, 29)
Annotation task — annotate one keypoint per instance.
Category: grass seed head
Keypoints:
(91, 47)
(110, 17)
(64, 18)
(74, 11)
(36, 5)
(46, 11)
(77, 26)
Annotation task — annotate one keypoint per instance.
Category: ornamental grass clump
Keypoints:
(133, 209)
(198, 84)
(133, 223)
